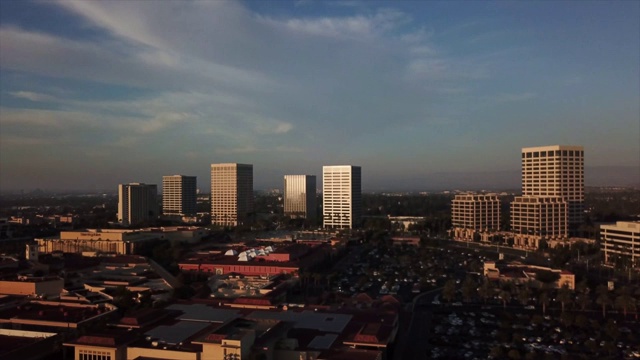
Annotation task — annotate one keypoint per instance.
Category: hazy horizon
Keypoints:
(489, 181)
(421, 95)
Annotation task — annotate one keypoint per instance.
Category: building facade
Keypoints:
(536, 218)
(473, 214)
(341, 196)
(620, 243)
(552, 203)
(179, 195)
(556, 171)
(231, 194)
(137, 203)
(300, 196)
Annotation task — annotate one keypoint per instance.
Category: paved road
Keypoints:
(413, 343)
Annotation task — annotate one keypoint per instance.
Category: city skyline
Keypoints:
(422, 95)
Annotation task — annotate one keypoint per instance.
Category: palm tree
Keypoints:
(505, 296)
(603, 298)
(485, 291)
(523, 295)
(584, 301)
(625, 301)
(543, 299)
(564, 296)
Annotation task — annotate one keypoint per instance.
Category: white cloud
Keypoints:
(32, 96)
(355, 27)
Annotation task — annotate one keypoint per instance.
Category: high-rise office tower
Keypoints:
(231, 194)
(137, 203)
(473, 214)
(552, 198)
(179, 195)
(300, 196)
(341, 196)
(556, 171)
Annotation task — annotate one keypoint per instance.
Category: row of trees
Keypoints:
(625, 299)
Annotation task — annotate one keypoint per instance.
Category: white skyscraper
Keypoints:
(341, 196)
(231, 194)
(300, 196)
(137, 203)
(179, 195)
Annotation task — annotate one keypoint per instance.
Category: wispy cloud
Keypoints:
(32, 96)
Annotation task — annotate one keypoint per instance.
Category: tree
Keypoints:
(547, 278)
(584, 301)
(449, 290)
(514, 354)
(625, 301)
(603, 299)
(523, 295)
(485, 291)
(564, 296)
(505, 296)
(543, 299)
(468, 289)
(497, 352)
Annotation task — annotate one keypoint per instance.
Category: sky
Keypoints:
(420, 94)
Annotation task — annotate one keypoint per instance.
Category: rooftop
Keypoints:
(53, 312)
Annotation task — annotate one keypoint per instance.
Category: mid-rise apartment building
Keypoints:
(300, 196)
(620, 243)
(137, 203)
(179, 194)
(231, 194)
(341, 196)
(473, 214)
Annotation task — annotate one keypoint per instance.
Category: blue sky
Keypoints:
(96, 93)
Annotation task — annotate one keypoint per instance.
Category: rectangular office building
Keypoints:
(300, 196)
(341, 196)
(231, 194)
(536, 218)
(558, 171)
(620, 243)
(473, 214)
(137, 203)
(179, 194)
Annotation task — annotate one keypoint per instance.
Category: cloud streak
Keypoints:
(220, 80)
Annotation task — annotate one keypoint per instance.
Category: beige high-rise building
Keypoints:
(137, 203)
(231, 194)
(552, 200)
(473, 214)
(341, 196)
(620, 243)
(300, 196)
(558, 171)
(179, 195)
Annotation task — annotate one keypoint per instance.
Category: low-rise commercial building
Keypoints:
(44, 287)
(197, 331)
(620, 243)
(265, 261)
(522, 274)
(95, 240)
